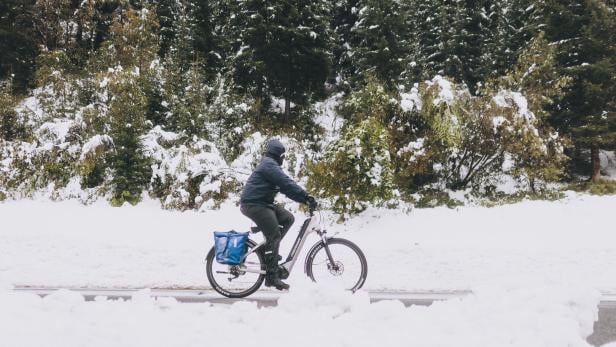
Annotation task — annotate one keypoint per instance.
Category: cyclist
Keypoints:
(257, 203)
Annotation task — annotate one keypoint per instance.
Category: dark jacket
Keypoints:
(268, 179)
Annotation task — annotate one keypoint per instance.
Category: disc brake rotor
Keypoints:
(336, 269)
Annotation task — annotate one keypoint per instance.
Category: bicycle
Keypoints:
(329, 259)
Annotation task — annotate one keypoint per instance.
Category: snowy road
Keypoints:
(262, 298)
(604, 329)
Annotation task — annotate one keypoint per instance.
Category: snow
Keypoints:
(608, 163)
(327, 117)
(57, 130)
(411, 101)
(535, 270)
(94, 144)
(439, 248)
(517, 100)
(498, 121)
(415, 147)
(446, 90)
(309, 315)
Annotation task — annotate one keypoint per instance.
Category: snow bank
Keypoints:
(524, 315)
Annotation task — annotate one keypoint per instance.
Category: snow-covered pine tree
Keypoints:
(584, 32)
(428, 33)
(379, 40)
(131, 168)
(283, 49)
(510, 26)
(343, 20)
(463, 42)
(184, 91)
(134, 36)
(17, 42)
(167, 13)
(449, 36)
(8, 116)
(52, 19)
(212, 33)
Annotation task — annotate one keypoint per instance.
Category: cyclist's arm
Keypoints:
(287, 186)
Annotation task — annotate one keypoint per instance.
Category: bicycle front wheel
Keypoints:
(349, 268)
(236, 281)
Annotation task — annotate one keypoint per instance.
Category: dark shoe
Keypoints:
(283, 273)
(272, 280)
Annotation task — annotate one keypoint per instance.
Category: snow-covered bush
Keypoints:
(187, 174)
(45, 164)
(455, 140)
(57, 94)
(372, 100)
(356, 169)
(229, 118)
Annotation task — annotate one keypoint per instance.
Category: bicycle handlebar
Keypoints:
(311, 210)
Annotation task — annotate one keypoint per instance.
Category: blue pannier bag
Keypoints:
(229, 246)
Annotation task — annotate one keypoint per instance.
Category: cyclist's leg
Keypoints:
(285, 218)
(266, 220)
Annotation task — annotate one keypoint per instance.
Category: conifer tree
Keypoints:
(343, 20)
(511, 26)
(284, 49)
(17, 42)
(134, 37)
(8, 115)
(451, 38)
(380, 40)
(53, 23)
(131, 170)
(167, 13)
(211, 33)
(584, 32)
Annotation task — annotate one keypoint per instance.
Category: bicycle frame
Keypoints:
(310, 226)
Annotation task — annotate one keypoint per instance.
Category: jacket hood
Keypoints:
(275, 148)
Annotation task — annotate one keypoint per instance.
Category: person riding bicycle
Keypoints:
(257, 203)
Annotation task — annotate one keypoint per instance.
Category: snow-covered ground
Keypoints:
(535, 269)
(67, 244)
(519, 314)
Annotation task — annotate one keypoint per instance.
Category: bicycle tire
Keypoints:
(309, 265)
(218, 288)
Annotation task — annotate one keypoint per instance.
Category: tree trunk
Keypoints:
(596, 163)
(287, 109)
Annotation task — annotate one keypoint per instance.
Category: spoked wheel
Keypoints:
(348, 269)
(236, 281)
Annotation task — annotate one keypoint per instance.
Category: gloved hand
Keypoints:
(311, 202)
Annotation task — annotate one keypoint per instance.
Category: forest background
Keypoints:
(380, 102)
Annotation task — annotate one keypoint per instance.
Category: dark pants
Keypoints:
(274, 222)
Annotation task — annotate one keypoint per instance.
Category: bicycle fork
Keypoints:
(332, 262)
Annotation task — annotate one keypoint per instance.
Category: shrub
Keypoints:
(186, 173)
(599, 187)
(356, 169)
(455, 140)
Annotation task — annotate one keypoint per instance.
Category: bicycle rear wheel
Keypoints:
(236, 281)
(349, 268)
